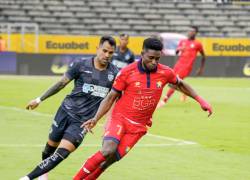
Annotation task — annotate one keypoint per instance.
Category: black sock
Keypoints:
(49, 163)
(48, 151)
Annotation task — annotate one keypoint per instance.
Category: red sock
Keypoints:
(90, 166)
(94, 175)
(170, 93)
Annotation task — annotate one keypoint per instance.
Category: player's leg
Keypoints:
(183, 75)
(71, 139)
(113, 133)
(127, 142)
(49, 149)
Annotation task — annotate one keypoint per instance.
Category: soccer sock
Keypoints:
(90, 166)
(94, 175)
(48, 151)
(169, 94)
(49, 163)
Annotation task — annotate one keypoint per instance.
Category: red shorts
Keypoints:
(124, 132)
(182, 72)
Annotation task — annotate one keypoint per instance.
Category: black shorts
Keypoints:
(65, 127)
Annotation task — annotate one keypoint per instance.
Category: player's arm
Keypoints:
(179, 48)
(189, 91)
(203, 60)
(104, 107)
(51, 91)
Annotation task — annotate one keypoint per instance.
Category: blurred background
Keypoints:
(41, 37)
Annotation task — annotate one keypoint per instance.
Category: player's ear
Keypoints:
(142, 53)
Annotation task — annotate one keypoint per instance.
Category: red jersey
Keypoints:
(141, 91)
(188, 52)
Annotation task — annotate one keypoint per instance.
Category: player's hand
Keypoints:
(88, 125)
(33, 104)
(204, 105)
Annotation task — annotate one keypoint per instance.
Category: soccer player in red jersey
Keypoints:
(138, 87)
(187, 51)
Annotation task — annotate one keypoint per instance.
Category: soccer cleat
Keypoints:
(43, 177)
(25, 178)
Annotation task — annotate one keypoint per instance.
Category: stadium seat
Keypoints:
(115, 15)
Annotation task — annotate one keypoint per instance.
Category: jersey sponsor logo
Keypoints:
(192, 45)
(144, 103)
(95, 90)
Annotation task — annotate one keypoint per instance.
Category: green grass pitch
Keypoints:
(183, 143)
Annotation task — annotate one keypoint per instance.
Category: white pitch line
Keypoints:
(50, 115)
(26, 111)
(171, 139)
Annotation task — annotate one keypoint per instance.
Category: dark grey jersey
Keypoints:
(90, 88)
(121, 60)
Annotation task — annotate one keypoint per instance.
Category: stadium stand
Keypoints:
(136, 17)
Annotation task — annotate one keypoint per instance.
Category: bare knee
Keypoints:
(109, 148)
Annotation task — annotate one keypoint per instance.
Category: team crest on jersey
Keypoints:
(127, 57)
(192, 45)
(158, 84)
(111, 77)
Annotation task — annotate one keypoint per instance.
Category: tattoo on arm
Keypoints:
(56, 88)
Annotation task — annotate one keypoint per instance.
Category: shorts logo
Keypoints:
(55, 123)
(127, 149)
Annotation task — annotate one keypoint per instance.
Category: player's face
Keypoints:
(104, 53)
(192, 33)
(124, 41)
(150, 59)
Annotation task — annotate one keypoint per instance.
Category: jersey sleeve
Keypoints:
(172, 77)
(73, 70)
(120, 82)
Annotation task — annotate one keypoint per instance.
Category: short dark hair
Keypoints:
(110, 40)
(195, 28)
(152, 43)
(124, 35)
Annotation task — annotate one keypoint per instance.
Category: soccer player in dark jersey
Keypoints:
(93, 79)
(140, 85)
(123, 55)
(187, 50)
